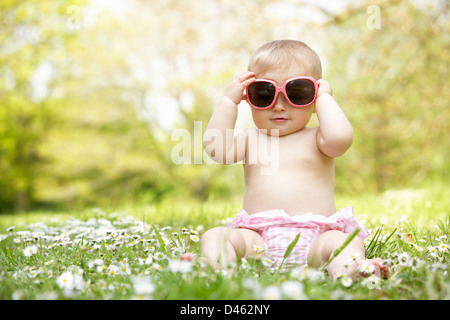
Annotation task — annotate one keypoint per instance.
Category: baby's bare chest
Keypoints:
(286, 154)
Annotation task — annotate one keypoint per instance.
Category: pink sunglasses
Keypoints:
(298, 91)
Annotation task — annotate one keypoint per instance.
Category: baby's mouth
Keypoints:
(279, 119)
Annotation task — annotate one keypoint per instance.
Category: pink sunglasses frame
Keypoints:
(283, 90)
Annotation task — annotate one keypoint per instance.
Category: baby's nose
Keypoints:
(280, 103)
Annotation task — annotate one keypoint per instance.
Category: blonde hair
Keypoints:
(282, 53)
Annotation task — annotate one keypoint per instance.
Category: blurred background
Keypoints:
(95, 94)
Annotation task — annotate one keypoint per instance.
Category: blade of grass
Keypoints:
(373, 242)
(382, 244)
(444, 225)
(160, 240)
(289, 250)
(375, 245)
(9, 255)
(339, 250)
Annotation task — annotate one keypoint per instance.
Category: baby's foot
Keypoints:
(376, 266)
(188, 257)
(193, 258)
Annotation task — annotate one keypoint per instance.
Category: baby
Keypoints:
(284, 87)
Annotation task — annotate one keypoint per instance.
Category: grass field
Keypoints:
(133, 253)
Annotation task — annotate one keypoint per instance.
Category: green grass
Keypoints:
(133, 253)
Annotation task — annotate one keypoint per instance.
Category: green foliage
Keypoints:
(134, 253)
(88, 103)
(390, 82)
(27, 45)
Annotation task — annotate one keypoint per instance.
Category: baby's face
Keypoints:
(282, 116)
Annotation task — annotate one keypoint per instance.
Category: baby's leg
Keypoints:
(345, 262)
(221, 246)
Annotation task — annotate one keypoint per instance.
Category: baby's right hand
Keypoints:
(235, 91)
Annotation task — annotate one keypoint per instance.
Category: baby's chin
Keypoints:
(278, 132)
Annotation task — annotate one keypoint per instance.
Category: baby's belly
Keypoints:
(294, 198)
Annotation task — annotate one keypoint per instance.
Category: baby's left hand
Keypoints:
(324, 87)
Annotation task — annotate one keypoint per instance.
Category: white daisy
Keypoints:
(346, 281)
(194, 238)
(65, 280)
(29, 251)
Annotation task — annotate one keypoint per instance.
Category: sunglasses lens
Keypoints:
(261, 94)
(301, 91)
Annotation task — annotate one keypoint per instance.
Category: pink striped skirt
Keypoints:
(278, 230)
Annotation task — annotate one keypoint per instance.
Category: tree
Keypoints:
(392, 84)
(28, 45)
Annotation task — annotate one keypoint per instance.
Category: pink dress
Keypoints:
(278, 230)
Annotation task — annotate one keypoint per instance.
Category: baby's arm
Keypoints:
(220, 141)
(335, 133)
